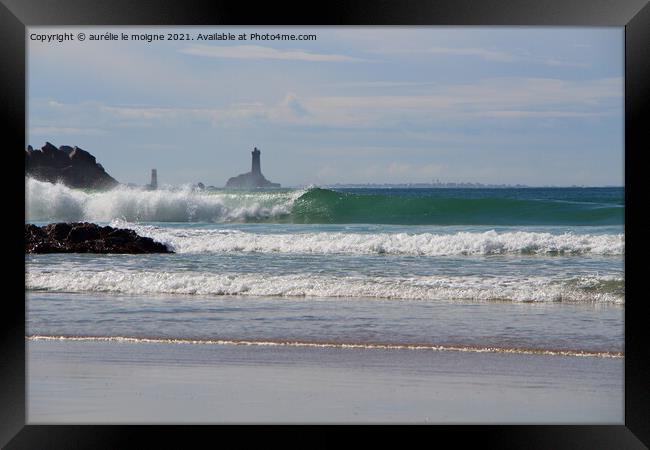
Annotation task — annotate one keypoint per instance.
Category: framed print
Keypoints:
(412, 214)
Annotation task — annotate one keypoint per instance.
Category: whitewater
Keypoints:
(314, 205)
(538, 268)
(188, 240)
(57, 202)
(598, 289)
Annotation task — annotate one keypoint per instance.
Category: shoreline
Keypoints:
(477, 326)
(336, 345)
(103, 382)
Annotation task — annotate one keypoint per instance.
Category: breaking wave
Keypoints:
(56, 202)
(186, 240)
(589, 289)
(327, 206)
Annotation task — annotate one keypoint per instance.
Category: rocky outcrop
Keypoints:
(84, 237)
(250, 180)
(71, 166)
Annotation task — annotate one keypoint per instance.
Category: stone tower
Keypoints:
(252, 179)
(256, 168)
(154, 179)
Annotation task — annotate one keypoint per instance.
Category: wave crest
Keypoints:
(55, 202)
(420, 244)
(577, 290)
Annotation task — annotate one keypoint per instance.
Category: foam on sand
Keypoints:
(339, 345)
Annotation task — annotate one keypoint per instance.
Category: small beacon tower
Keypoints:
(154, 179)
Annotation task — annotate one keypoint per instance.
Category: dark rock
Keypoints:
(49, 150)
(84, 237)
(83, 156)
(71, 166)
(34, 158)
(120, 233)
(84, 233)
(32, 232)
(58, 231)
(52, 156)
(250, 180)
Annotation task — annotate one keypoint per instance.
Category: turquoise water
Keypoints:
(504, 268)
(532, 206)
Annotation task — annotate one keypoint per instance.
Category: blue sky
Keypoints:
(537, 106)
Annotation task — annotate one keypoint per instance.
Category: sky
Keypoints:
(495, 105)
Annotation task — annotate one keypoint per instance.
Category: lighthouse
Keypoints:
(254, 178)
(256, 168)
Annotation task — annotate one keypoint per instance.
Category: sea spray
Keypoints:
(56, 202)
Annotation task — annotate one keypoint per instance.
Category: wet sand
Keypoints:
(118, 383)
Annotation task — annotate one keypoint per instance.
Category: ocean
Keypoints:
(535, 271)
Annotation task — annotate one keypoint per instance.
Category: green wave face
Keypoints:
(326, 206)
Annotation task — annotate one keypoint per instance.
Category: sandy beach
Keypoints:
(108, 382)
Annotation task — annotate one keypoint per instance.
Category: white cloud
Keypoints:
(261, 52)
(540, 114)
(67, 131)
(488, 55)
(380, 84)
(503, 99)
(554, 62)
(292, 102)
(514, 98)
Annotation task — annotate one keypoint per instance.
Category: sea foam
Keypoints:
(337, 345)
(186, 240)
(592, 289)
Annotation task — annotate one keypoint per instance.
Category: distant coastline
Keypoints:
(455, 185)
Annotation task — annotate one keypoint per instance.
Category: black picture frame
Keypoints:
(634, 15)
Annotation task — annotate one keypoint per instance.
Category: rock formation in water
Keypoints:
(252, 179)
(84, 237)
(71, 166)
